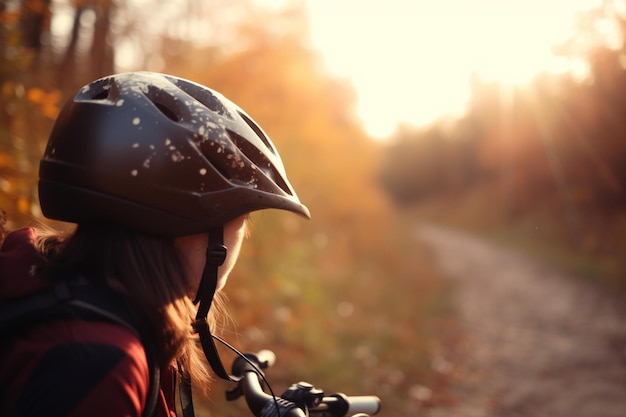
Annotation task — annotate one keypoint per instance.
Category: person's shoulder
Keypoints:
(85, 366)
(98, 331)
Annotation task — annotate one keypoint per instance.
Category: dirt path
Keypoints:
(535, 341)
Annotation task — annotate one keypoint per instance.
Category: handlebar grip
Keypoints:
(342, 405)
(368, 404)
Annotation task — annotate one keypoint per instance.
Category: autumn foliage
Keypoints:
(545, 161)
(347, 300)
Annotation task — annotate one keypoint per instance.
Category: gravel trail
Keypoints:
(536, 342)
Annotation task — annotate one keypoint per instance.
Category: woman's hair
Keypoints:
(3, 222)
(148, 270)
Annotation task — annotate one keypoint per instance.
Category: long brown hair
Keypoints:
(3, 222)
(148, 270)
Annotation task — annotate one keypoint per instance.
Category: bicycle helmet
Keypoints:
(159, 154)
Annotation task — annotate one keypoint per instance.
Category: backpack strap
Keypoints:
(89, 302)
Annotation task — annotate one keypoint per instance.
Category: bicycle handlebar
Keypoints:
(299, 400)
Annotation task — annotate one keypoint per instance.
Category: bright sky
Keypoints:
(411, 60)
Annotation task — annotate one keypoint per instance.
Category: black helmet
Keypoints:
(159, 154)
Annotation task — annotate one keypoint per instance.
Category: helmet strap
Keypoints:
(215, 257)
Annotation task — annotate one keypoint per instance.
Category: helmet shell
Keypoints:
(159, 154)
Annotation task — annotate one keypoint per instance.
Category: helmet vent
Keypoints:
(101, 95)
(166, 103)
(167, 112)
(259, 160)
(202, 95)
(99, 90)
(211, 102)
(258, 132)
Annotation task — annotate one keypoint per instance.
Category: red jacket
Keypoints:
(69, 367)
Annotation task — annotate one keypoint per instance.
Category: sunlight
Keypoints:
(411, 61)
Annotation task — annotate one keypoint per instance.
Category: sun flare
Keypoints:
(411, 61)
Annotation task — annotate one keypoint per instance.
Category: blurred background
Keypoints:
(500, 118)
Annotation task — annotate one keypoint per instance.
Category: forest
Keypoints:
(349, 300)
(541, 165)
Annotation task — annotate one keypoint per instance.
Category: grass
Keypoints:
(378, 319)
(592, 248)
(364, 327)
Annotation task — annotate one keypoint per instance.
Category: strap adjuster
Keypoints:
(216, 255)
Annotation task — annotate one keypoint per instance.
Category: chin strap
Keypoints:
(215, 257)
